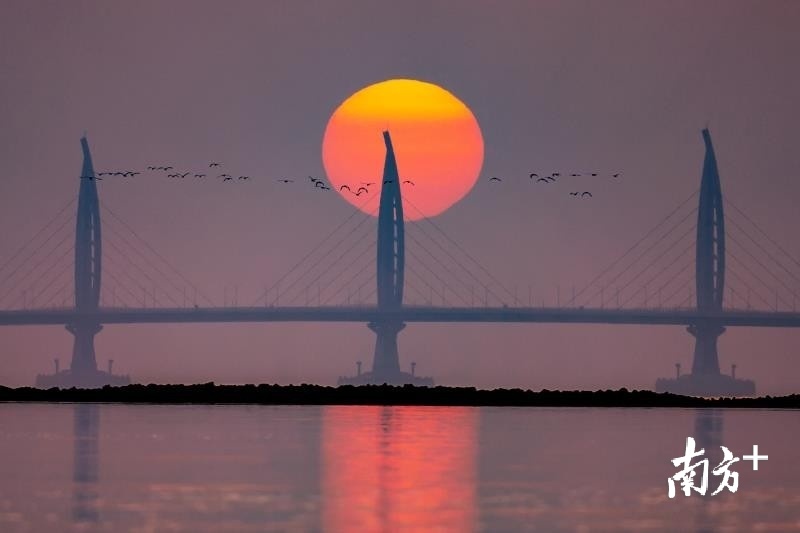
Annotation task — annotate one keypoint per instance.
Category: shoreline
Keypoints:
(212, 394)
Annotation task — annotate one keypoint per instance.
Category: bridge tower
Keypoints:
(390, 273)
(705, 378)
(709, 264)
(88, 272)
(88, 262)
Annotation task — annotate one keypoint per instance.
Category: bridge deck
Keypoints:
(678, 316)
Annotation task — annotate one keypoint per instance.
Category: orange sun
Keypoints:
(436, 139)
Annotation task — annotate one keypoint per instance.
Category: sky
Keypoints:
(563, 85)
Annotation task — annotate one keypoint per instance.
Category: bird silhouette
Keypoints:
(168, 168)
(173, 175)
(90, 178)
(313, 179)
(151, 168)
(574, 175)
(344, 187)
(550, 179)
(410, 182)
(367, 184)
(134, 173)
(387, 181)
(244, 177)
(199, 175)
(533, 175)
(224, 176)
(574, 193)
(615, 175)
(360, 190)
(214, 164)
(228, 179)
(185, 174)
(494, 179)
(584, 193)
(319, 184)
(285, 180)
(594, 174)
(542, 179)
(556, 174)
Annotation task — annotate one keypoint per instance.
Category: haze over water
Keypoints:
(339, 468)
(555, 86)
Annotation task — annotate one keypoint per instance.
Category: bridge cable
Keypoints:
(461, 249)
(643, 253)
(774, 243)
(759, 263)
(319, 260)
(653, 261)
(324, 241)
(40, 262)
(131, 262)
(632, 248)
(38, 233)
(348, 268)
(44, 275)
(159, 256)
(354, 276)
(445, 285)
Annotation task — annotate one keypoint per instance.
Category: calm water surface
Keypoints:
(256, 468)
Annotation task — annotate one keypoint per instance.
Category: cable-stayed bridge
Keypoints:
(677, 273)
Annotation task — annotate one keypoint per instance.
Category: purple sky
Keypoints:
(569, 86)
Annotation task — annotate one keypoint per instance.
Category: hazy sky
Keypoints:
(569, 86)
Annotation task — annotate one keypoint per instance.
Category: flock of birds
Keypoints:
(554, 176)
(170, 172)
(319, 183)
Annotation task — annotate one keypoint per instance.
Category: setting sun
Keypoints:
(436, 139)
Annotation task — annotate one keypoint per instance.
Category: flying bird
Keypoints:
(244, 177)
(199, 175)
(574, 175)
(167, 168)
(556, 174)
(224, 176)
(594, 173)
(134, 173)
(574, 193)
(214, 164)
(228, 179)
(584, 193)
(284, 180)
(90, 178)
(615, 175)
(409, 181)
(387, 181)
(344, 187)
(185, 174)
(533, 175)
(542, 179)
(367, 184)
(319, 184)
(360, 190)
(495, 179)
(314, 180)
